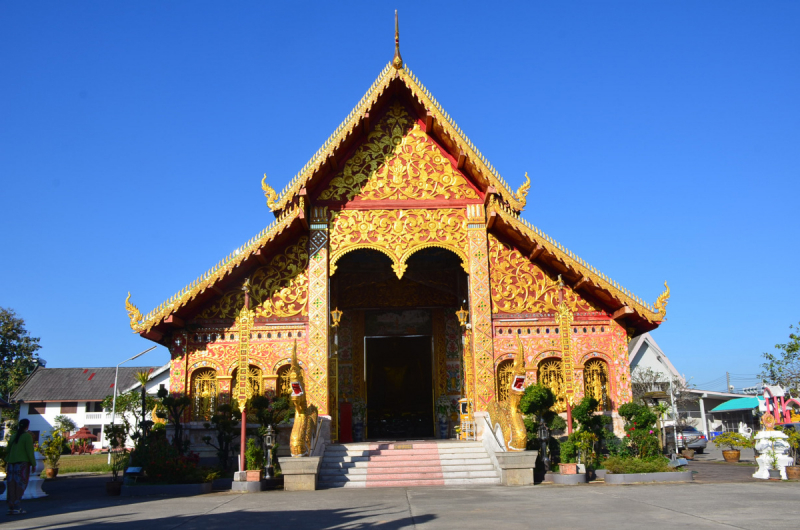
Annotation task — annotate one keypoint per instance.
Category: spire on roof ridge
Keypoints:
(397, 62)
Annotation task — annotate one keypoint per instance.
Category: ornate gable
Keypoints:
(398, 161)
(520, 286)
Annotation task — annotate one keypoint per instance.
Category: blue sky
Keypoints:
(661, 138)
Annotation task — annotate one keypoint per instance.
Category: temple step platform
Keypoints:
(402, 464)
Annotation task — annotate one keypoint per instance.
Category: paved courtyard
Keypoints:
(723, 496)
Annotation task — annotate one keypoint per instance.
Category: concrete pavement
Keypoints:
(81, 501)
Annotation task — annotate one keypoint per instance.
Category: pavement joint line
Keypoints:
(190, 519)
(669, 509)
(410, 512)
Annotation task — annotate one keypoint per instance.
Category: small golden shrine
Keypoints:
(396, 224)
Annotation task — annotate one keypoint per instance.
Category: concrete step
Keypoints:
(414, 464)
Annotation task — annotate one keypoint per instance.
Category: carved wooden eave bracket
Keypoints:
(585, 276)
(165, 312)
(467, 156)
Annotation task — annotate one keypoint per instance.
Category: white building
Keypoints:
(644, 353)
(78, 393)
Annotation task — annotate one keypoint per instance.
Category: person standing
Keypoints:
(19, 463)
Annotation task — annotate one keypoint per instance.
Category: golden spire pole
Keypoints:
(245, 323)
(397, 62)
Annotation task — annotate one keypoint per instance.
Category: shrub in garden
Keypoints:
(640, 430)
(164, 463)
(733, 441)
(623, 464)
(254, 456)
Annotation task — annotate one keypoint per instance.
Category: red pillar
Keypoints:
(569, 418)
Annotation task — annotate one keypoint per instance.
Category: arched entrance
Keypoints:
(396, 363)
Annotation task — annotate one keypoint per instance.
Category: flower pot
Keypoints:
(731, 456)
(51, 473)
(254, 476)
(688, 454)
(568, 469)
(774, 474)
(113, 487)
(793, 472)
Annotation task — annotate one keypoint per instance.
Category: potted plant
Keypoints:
(772, 456)
(50, 448)
(254, 460)
(734, 441)
(687, 453)
(793, 472)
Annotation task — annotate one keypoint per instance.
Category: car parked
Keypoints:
(688, 438)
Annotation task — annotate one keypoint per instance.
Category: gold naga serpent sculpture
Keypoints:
(506, 413)
(305, 416)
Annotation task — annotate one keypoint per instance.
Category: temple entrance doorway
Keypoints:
(399, 387)
(399, 350)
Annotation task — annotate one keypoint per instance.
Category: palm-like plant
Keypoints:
(143, 377)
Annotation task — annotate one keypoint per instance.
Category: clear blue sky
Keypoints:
(661, 137)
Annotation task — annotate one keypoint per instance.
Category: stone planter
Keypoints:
(731, 456)
(595, 474)
(571, 480)
(793, 472)
(516, 467)
(172, 490)
(255, 475)
(636, 478)
(114, 487)
(300, 473)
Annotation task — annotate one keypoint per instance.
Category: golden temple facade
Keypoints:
(396, 223)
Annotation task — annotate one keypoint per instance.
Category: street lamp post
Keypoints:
(114, 401)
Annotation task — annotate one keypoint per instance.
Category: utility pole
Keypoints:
(728, 379)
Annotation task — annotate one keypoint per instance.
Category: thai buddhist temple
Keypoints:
(401, 269)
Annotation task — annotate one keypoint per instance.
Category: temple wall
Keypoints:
(524, 304)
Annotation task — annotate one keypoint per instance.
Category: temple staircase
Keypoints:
(401, 464)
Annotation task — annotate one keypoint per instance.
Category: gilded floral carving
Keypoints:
(521, 286)
(398, 161)
(279, 289)
(397, 233)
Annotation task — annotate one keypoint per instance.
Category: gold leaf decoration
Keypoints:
(398, 162)
(661, 302)
(522, 192)
(133, 313)
(397, 233)
(279, 289)
(521, 286)
(269, 193)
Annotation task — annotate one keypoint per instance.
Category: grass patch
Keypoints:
(84, 463)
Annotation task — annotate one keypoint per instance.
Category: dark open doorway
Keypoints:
(399, 387)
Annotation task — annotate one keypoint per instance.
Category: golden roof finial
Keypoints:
(397, 62)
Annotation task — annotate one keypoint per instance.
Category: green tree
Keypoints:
(129, 409)
(783, 368)
(540, 421)
(176, 407)
(18, 357)
(225, 424)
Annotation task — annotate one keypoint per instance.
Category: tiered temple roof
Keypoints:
(503, 213)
